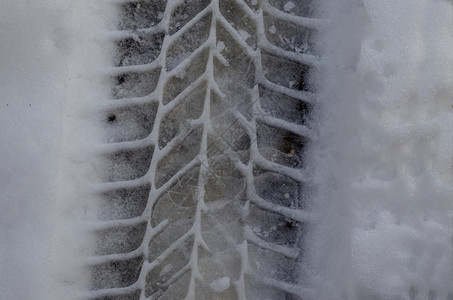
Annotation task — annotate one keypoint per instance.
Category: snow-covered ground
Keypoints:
(384, 157)
(47, 60)
(33, 79)
(382, 162)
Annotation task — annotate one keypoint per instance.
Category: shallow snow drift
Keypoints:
(46, 61)
(384, 156)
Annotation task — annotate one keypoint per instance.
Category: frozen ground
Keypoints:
(382, 162)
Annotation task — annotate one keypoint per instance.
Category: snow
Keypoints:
(383, 160)
(43, 74)
(220, 284)
(30, 122)
(288, 6)
(272, 29)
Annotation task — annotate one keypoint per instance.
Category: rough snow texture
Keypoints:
(205, 178)
(384, 155)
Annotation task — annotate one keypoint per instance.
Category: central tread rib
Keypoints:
(205, 179)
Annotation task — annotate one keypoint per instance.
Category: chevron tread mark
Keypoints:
(205, 186)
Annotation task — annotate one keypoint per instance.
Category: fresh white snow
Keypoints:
(32, 78)
(383, 160)
(47, 60)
